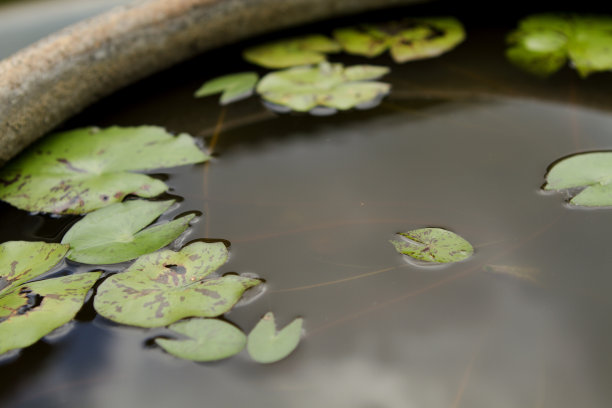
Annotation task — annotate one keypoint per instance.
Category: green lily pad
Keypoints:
(409, 39)
(590, 171)
(328, 85)
(434, 245)
(207, 340)
(266, 345)
(543, 43)
(21, 261)
(161, 288)
(115, 233)
(32, 310)
(81, 170)
(234, 87)
(305, 50)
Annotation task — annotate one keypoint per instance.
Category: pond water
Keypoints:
(309, 204)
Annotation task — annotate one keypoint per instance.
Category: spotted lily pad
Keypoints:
(305, 50)
(166, 286)
(21, 261)
(328, 85)
(543, 43)
(115, 233)
(434, 245)
(81, 170)
(591, 172)
(234, 87)
(29, 311)
(409, 39)
(207, 340)
(266, 345)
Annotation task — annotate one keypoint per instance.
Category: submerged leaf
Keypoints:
(266, 345)
(21, 261)
(591, 171)
(543, 43)
(433, 245)
(305, 50)
(166, 286)
(81, 170)
(34, 309)
(328, 85)
(520, 272)
(409, 39)
(234, 87)
(115, 233)
(208, 340)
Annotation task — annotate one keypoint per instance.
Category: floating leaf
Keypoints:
(266, 345)
(32, 310)
(163, 287)
(21, 261)
(208, 340)
(433, 245)
(521, 272)
(409, 39)
(78, 171)
(305, 50)
(543, 43)
(590, 171)
(329, 85)
(234, 87)
(115, 233)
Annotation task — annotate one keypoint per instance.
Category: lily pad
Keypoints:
(266, 345)
(234, 87)
(207, 340)
(166, 286)
(21, 261)
(434, 245)
(305, 50)
(543, 43)
(592, 172)
(32, 310)
(329, 85)
(115, 233)
(409, 39)
(81, 170)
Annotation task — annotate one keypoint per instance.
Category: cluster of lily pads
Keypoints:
(543, 43)
(90, 171)
(307, 82)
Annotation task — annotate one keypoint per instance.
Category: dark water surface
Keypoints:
(462, 142)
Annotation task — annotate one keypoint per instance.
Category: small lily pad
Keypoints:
(266, 345)
(29, 311)
(305, 50)
(234, 87)
(434, 245)
(115, 233)
(166, 286)
(592, 172)
(409, 39)
(81, 170)
(328, 85)
(21, 261)
(207, 340)
(543, 43)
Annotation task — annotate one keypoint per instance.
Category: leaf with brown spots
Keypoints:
(166, 286)
(32, 310)
(81, 170)
(433, 245)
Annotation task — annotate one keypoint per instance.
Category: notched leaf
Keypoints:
(233, 87)
(117, 233)
(304, 50)
(267, 345)
(166, 286)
